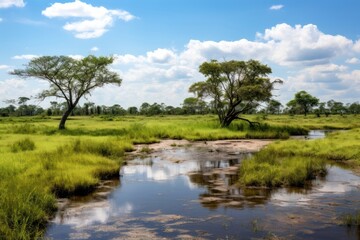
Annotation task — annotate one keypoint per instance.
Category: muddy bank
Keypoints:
(230, 147)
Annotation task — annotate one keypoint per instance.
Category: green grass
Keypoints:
(39, 163)
(25, 144)
(294, 162)
(351, 220)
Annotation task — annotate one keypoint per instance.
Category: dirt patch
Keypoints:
(228, 146)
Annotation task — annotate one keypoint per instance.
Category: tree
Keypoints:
(235, 87)
(274, 107)
(132, 110)
(304, 101)
(354, 108)
(70, 79)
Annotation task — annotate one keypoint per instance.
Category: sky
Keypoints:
(158, 45)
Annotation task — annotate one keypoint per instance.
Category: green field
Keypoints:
(39, 163)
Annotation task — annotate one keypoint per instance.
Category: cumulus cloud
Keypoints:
(303, 56)
(25, 57)
(94, 49)
(94, 21)
(76, 56)
(161, 55)
(353, 60)
(276, 7)
(303, 44)
(357, 46)
(11, 3)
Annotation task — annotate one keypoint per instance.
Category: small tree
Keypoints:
(70, 79)
(235, 87)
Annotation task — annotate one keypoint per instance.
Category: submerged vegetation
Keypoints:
(351, 220)
(39, 163)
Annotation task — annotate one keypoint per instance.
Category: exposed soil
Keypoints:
(231, 147)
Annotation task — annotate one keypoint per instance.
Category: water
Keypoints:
(190, 192)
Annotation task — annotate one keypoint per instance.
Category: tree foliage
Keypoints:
(235, 87)
(303, 101)
(70, 79)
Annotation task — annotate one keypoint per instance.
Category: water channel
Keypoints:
(188, 191)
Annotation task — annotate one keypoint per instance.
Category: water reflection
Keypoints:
(192, 192)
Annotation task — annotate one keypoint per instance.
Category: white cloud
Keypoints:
(94, 49)
(1, 19)
(276, 7)
(353, 60)
(357, 46)
(25, 57)
(161, 55)
(2, 67)
(303, 44)
(95, 21)
(303, 56)
(11, 3)
(352, 76)
(76, 56)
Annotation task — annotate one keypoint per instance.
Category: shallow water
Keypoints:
(189, 192)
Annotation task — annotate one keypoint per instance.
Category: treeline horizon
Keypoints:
(190, 106)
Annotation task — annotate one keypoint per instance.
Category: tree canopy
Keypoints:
(70, 79)
(235, 87)
(304, 101)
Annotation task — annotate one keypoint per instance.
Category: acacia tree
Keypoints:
(305, 101)
(235, 87)
(70, 79)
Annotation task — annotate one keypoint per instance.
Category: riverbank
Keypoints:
(295, 162)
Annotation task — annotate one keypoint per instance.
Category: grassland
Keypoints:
(39, 163)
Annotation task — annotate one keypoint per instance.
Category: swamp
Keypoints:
(182, 177)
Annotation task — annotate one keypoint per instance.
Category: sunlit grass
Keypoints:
(39, 162)
(293, 162)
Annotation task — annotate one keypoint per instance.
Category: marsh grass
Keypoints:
(351, 220)
(270, 169)
(25, 209)
(59, 166)
(25, 144)
(62, 163)
(294, 162)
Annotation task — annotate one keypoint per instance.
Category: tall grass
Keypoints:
(294, 162)
(31, 180)
(271, 169)
(351, 220)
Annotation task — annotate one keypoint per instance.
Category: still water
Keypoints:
(189, 192)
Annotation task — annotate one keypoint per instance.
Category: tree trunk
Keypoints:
(64, 118)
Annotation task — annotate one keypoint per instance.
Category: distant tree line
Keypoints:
(190, 106)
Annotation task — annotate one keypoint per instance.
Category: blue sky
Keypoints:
(158, 45)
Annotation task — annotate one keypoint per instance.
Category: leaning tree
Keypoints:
(235, 87)
(70, 79)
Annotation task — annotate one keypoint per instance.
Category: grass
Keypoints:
(39, 163)
(294, 162)
(25, 144)
(351, 220)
